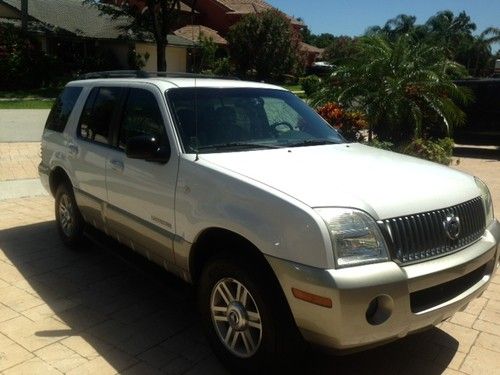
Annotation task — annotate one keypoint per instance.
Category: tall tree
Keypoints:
(340, 50)
(480, 60)
(266, 42)
(450, 31)
(453, 33)
(395, 27)
(156, 19)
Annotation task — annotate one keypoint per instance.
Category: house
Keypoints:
(213, 19)
(69, 28)
(66, 27)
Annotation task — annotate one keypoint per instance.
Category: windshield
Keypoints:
(237, 119)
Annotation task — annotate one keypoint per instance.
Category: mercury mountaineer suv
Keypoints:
(287, 231)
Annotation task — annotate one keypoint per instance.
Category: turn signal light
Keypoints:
(312, 298)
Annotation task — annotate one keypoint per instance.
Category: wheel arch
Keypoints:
(57, 176)
(216, 241)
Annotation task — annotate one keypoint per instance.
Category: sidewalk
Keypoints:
(19, 170)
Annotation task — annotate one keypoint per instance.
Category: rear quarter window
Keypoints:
(62, 108)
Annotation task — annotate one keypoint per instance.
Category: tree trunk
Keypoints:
(24, 16)
(161, 59)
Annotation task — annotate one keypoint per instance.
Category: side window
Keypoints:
(59, 114)
(141, 116)
(98, 112)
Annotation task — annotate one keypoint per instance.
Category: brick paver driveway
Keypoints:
(105, 310)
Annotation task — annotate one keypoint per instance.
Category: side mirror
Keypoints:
(147, 147)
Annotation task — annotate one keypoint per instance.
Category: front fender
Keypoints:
(278, 225)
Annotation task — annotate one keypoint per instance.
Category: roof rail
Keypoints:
(144, 74)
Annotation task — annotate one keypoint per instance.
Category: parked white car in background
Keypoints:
(287, 230)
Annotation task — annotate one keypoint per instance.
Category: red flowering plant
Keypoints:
(351, 124)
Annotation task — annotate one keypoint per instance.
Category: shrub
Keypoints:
(136, 60)
(438, 151)
(349, 123)
(222, 67)
(384, 145)
(310, 84)
(23, 65)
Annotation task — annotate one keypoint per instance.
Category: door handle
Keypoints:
(73, 149)
(116, 165)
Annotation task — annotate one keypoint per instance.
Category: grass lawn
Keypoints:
(42, 93)
(26, 104)
(293, 87)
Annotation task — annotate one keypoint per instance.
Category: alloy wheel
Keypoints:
(236, 317)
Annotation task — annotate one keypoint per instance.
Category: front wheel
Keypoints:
(247, 324)
(70, 224)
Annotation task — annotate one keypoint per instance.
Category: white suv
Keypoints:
(287, 230)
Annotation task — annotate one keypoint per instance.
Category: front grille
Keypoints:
(422, 236)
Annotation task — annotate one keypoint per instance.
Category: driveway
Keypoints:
(22, 125)
(106, 310)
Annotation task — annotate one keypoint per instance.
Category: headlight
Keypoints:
(355, 236)
(487, 201)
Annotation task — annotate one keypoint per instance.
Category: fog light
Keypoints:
(379, 310)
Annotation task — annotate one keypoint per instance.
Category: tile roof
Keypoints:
(250, 6)
(245, 6)
(81, 20)
(183, 6)
(192, 32)
(309, 48)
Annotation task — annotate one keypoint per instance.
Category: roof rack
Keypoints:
(144, 74)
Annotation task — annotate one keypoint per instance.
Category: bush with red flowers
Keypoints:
(350, 124)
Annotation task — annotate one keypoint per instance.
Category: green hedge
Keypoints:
(437, 150)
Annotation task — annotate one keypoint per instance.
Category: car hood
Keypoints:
(383, 183)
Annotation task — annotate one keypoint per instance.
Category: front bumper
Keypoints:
(43, 172)
(409, 298)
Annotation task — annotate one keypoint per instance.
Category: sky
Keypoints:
(353, 17)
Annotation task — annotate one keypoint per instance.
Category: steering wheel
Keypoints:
(281, 123)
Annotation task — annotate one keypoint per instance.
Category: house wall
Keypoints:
(213, 15)
(8, 12)
(176, 57)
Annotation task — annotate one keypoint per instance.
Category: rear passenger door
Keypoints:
(141, 193)
(88, 151)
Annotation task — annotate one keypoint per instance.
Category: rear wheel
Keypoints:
(70, 224)
(247, 324)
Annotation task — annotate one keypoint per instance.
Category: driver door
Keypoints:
(141, 193)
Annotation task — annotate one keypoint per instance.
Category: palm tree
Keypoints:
(476, 55)
(402, 24)
(482, 45)
(449, 30)
(393, 28)
(401, 85)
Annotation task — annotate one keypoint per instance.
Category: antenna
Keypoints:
(195, 87)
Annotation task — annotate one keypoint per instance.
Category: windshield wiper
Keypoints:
(312, 142)
(237, 145)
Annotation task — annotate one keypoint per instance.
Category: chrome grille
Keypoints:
(422, 236)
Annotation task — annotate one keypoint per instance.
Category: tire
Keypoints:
(268, 339)
(69, 221)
